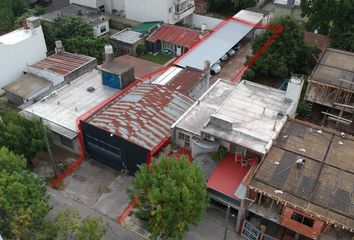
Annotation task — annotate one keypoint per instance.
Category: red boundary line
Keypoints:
(126, 211)
(277, 31)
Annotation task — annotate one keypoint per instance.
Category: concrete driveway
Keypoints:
(99, 187)
(231, 67)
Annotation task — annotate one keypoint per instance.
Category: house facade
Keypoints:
(20, 48)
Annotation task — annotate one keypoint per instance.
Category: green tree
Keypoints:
(287, 54)
(230, 6)
(335, 18)
(71, 27)
(21, 135)
(172, 194)
(93, 47)
(9, 11)
(69, 225)
(23, 203)
(36, 11)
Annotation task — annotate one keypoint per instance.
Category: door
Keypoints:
(104, 153)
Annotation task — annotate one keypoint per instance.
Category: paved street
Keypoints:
(61, 201)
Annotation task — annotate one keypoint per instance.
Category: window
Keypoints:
(303, 220)
(101, 8)
(103, 29)
(170, 10)
(66, 142)
(180, 136)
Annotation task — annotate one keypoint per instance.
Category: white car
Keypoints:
(231, 52)
(236, 47)
(216, 68)
(224, 58)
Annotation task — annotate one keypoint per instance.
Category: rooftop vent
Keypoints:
(91, 89)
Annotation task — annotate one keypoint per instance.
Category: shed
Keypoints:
(128, 40)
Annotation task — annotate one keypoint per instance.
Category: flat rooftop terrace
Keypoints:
(324, 185)
(61, 108)
(248, 114)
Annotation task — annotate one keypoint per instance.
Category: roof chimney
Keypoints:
(108, 53)
(207, 71)
(59, 47)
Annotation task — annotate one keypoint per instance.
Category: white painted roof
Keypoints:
(62, 108)
(256, 112)
(127, 36)
(249, 16)
(16, 36)
(215, 46)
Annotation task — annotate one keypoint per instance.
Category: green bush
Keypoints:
(140, 50)
(249, 74)
(303, 109)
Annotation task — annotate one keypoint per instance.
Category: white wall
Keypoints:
(14, 58)
(87, 3)
(147, 10)
(197, 20)
(51, 76)
(97, 29)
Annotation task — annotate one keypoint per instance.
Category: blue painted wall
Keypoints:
(111, 80)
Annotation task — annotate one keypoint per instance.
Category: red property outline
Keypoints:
(277, 31)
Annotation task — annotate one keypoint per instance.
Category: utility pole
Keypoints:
(226, 221)
(55, 169)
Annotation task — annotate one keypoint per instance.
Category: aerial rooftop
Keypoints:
(336, 68)
(15, 36)
(127, 36)
(247, 114)
(143, 115)
(63, 63)
(61, 108)
(324, 185)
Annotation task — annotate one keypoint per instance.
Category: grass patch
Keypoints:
(159, 58)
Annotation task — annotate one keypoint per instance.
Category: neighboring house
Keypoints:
(99, 23)
(124, 133)
(147, 27)
(19, 48)
(168, 11)
(141, 67)
(304, 187)
(288, 8)
(128, 40)
(331, 87)
(190, 82)
(60, 109)
(172, 39)
(245, 119)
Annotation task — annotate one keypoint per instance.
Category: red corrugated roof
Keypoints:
(186, 80)
(144, 115)
(175, 34)
(63, 63)
(227, 176)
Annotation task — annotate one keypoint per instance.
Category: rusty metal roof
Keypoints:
(63, 63)
(186, 80)
(176, 35)
(144, 115)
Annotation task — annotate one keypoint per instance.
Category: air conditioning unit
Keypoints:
(209, 138)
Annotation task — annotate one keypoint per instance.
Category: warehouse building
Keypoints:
(126, 132)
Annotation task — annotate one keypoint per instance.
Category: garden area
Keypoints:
(158, 58)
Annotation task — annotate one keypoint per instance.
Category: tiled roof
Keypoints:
(176, 35)
(63, 63)
(144, 115)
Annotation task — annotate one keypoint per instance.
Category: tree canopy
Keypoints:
(287, 54)
(335, 18)
(9, 11)
(21, 135)
(77, 37)
(172, 194)
(22, 197)
(230, 6)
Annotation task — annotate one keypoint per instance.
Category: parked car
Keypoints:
(216, 68)
(224, 58)
(236, 47)
(231, 52)
(218, 62)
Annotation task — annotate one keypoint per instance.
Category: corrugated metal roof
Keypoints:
(144, 115)
(63, 63)
(127, 36)
(176, 35)
(216, 45)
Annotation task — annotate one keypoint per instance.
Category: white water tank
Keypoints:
(293, 93)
